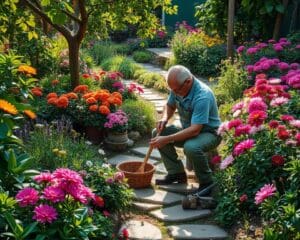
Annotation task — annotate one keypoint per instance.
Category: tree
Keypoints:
(74, 18)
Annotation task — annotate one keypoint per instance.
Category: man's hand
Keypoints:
(159, 141)
(160, 125)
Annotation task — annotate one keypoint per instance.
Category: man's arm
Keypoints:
(182, 135)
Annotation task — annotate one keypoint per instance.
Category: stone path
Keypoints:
(164, 203)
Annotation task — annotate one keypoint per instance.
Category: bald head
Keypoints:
(178, 73)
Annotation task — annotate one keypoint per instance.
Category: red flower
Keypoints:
(243, 198)
(106, 213)
(273, 124)
(62, 102)
(234, 123)
(54, 82)
(256, 118)
(216, 160)
(98, 201)
(125, 233)
(277, 160)
(86, 75)
(283, 134)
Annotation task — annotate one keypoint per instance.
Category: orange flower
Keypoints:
(52, 95)
(102, 96)
(8, 107)
(30, 114)
(102, 72)
(115, 100)
(81, 88)
(52, 101)
(106, 103)
(104, 110)
(91, 100)
(54, 82)
(93, 108)
(72, 95)
(27, 69)
(37, 91)
(87, 95)
(86, 75)
(62, 102)
(117, 95)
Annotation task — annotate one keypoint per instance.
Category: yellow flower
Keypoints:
(27, 69)
(55, 150)
(30, 114)
(62, 153)
(8, 107)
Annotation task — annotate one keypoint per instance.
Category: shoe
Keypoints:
(172, 178)
(192, 201)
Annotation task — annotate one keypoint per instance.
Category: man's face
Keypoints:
(180, 89)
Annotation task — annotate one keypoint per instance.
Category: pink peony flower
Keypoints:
(226, 162)
(43, 177)
(243, 198)
(297, 137)
(297, 46)
(243, 146)
(234, 123)
(283, 66)
(255, 129)
(256, 118)
(65, 176)
(119, 176)
(287, 118)
(242, 129)
(54, 194)
(27, 196)
(252, 50)
(291, 142)
(240, 49)
(238, 106)
(294, 66)
(257, 104)
(279, 101)
(223, 128)
(250, 69)
(44, 213)
(295, 123)
(273, 124)
(265, 192)
(277, 47)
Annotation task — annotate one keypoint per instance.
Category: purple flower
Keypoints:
(283, 66)
(240, 49)
(252, 50)
(277, 47)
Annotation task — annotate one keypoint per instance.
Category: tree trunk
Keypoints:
(278, 21)
(230, 29)
(74, 46)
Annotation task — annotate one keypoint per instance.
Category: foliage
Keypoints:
(160, 39)
(121, 64)
(142, 56)
(252, 18)
(58, 145)
(199, 52)
(104, 50)
(267, 116)
(141, 115)
(154, 80)
(136, 44)
(231, 82)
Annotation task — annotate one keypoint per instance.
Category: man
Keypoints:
(199, 117)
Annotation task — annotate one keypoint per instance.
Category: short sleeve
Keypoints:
(200, 113)
(171, 99)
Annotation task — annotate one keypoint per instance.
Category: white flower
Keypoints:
(105, 165)
(275, 81)
(88, 143)
(101, 151)
(89, 163)
(39, 125)
(237, 113)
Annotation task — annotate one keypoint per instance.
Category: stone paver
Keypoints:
(146, 206)
(150, 195)
(163, 52)
(160, 168)
(122, 158)
(143, 151)
(197, 231)
(142, 230)
(177, 214)
(152, 97)
(180, 188)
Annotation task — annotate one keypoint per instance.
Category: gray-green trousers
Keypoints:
(194, 149)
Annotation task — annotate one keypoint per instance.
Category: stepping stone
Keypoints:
(152, 96)
(160, 168)
(177, 214)
(143, 151)
(197, 232)
(141, 230)
(158, 104)
(146, 206)
(159, 109)
(150, 195)
(122, 158)
(180, 188)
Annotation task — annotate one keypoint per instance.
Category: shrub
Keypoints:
(160, 39)
(231, 83)
(154, 80)
(142, 56)
(138, 73)
(121, 64)
(58, 145)
(141, 115)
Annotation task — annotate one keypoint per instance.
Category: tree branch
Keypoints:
(74, 18)
(63, 30)
(84, 20)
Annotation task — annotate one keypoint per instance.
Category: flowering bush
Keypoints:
(85, 107)
(59, 204)
(117, 122)
(263, 138)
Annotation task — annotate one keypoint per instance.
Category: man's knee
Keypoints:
(190, 149)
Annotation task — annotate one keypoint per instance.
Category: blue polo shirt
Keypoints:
(198, 107)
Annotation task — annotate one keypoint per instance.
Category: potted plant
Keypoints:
(117, 125)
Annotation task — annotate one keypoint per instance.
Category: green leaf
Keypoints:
(16, 228)
(29, 229)
(40, 237)
(45, 2)
(59, 18)
(3, 130)
(269, 6)
(279, 8)
(12, 161)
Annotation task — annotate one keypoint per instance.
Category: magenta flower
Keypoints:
(266, 191)
(242, 129)
(223, 128)
(226, 162)
(44, 213)
(257, 104)
(54, 194)
(240, 49)
(243, 146)
(294, 66)
(252, 50)
(273, 124)
(119, 176)
(277, 47)
(43, 177)
(256, 118)
(287, 118)
(65, 176)
(238, 106)
(235, 123)
(283, 66)
(295, 123)
(27, 196)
